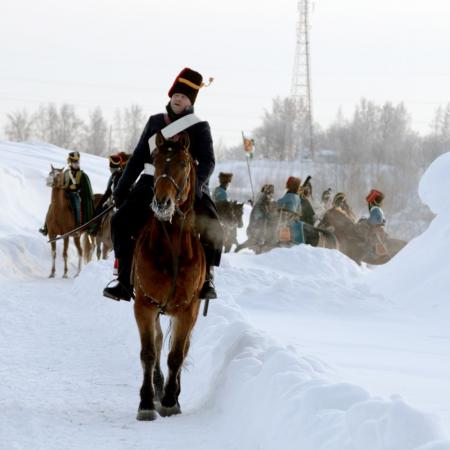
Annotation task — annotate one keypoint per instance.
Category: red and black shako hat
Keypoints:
(188, 82)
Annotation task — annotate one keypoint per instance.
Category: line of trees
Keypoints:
(62, 126)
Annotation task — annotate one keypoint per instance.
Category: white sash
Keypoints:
(170, 131)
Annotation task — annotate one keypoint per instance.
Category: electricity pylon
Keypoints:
(301, 81)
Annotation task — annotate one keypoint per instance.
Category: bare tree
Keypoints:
(70, 127)
(96, 134)
(133, 125)
(19, 127)
(276, 135)
(47, 123)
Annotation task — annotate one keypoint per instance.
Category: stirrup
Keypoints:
(208, 291)
(124, 293)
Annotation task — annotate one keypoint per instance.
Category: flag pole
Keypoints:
(247, 156)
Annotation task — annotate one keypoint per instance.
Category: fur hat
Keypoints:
(187, 82)
(225, 177)
(115, 161)
(73, 157)
(293, 184)
(375, 197)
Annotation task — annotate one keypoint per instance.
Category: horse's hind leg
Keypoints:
(98, 249)
(76, 240)
(65, 247)
(146, 317)
(182, 325)
(52, 273)
(105, 251)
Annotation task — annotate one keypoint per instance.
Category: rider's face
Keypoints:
(179, 102)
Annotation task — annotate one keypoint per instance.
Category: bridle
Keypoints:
(55, 175)
(178, 187)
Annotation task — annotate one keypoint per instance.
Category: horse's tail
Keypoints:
(327, 239)
(88, 244)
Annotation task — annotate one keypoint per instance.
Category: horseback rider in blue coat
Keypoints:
(376, 223)
(290, 201)
(220, 193)
(133, 201)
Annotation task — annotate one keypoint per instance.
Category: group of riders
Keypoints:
(280, 222)
(132, 197)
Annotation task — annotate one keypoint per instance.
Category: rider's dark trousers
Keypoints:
(75, 203)
(134, 213)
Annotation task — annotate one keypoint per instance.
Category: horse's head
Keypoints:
(173, 175)
(55, 178)
(238, 212)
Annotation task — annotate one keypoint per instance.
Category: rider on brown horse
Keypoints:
(77, 187)
(117, 163)
(134, 201)
(376, 222)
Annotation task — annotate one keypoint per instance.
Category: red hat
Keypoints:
(188, 82)
(293, 184)
(374, 197)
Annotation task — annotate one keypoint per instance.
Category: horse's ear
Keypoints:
(51, 166)
(185, 141)
(159, 139)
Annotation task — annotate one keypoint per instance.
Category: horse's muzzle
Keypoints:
(164, 209)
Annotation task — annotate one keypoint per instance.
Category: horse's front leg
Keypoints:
(158, 377)
(146, 316)
(182, 326)
(52, 273)
(65, 256)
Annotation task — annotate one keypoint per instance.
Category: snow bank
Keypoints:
(419, 275)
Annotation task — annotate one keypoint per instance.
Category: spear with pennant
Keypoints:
(249, 147)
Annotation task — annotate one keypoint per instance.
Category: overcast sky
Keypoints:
(114, 53)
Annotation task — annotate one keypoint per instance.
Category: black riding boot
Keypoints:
(123, 290)
(208, 291)
(43, 230)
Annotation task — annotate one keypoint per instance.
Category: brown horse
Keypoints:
(353, 238)
(60, 219)
(103, 239)
(169, 271)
